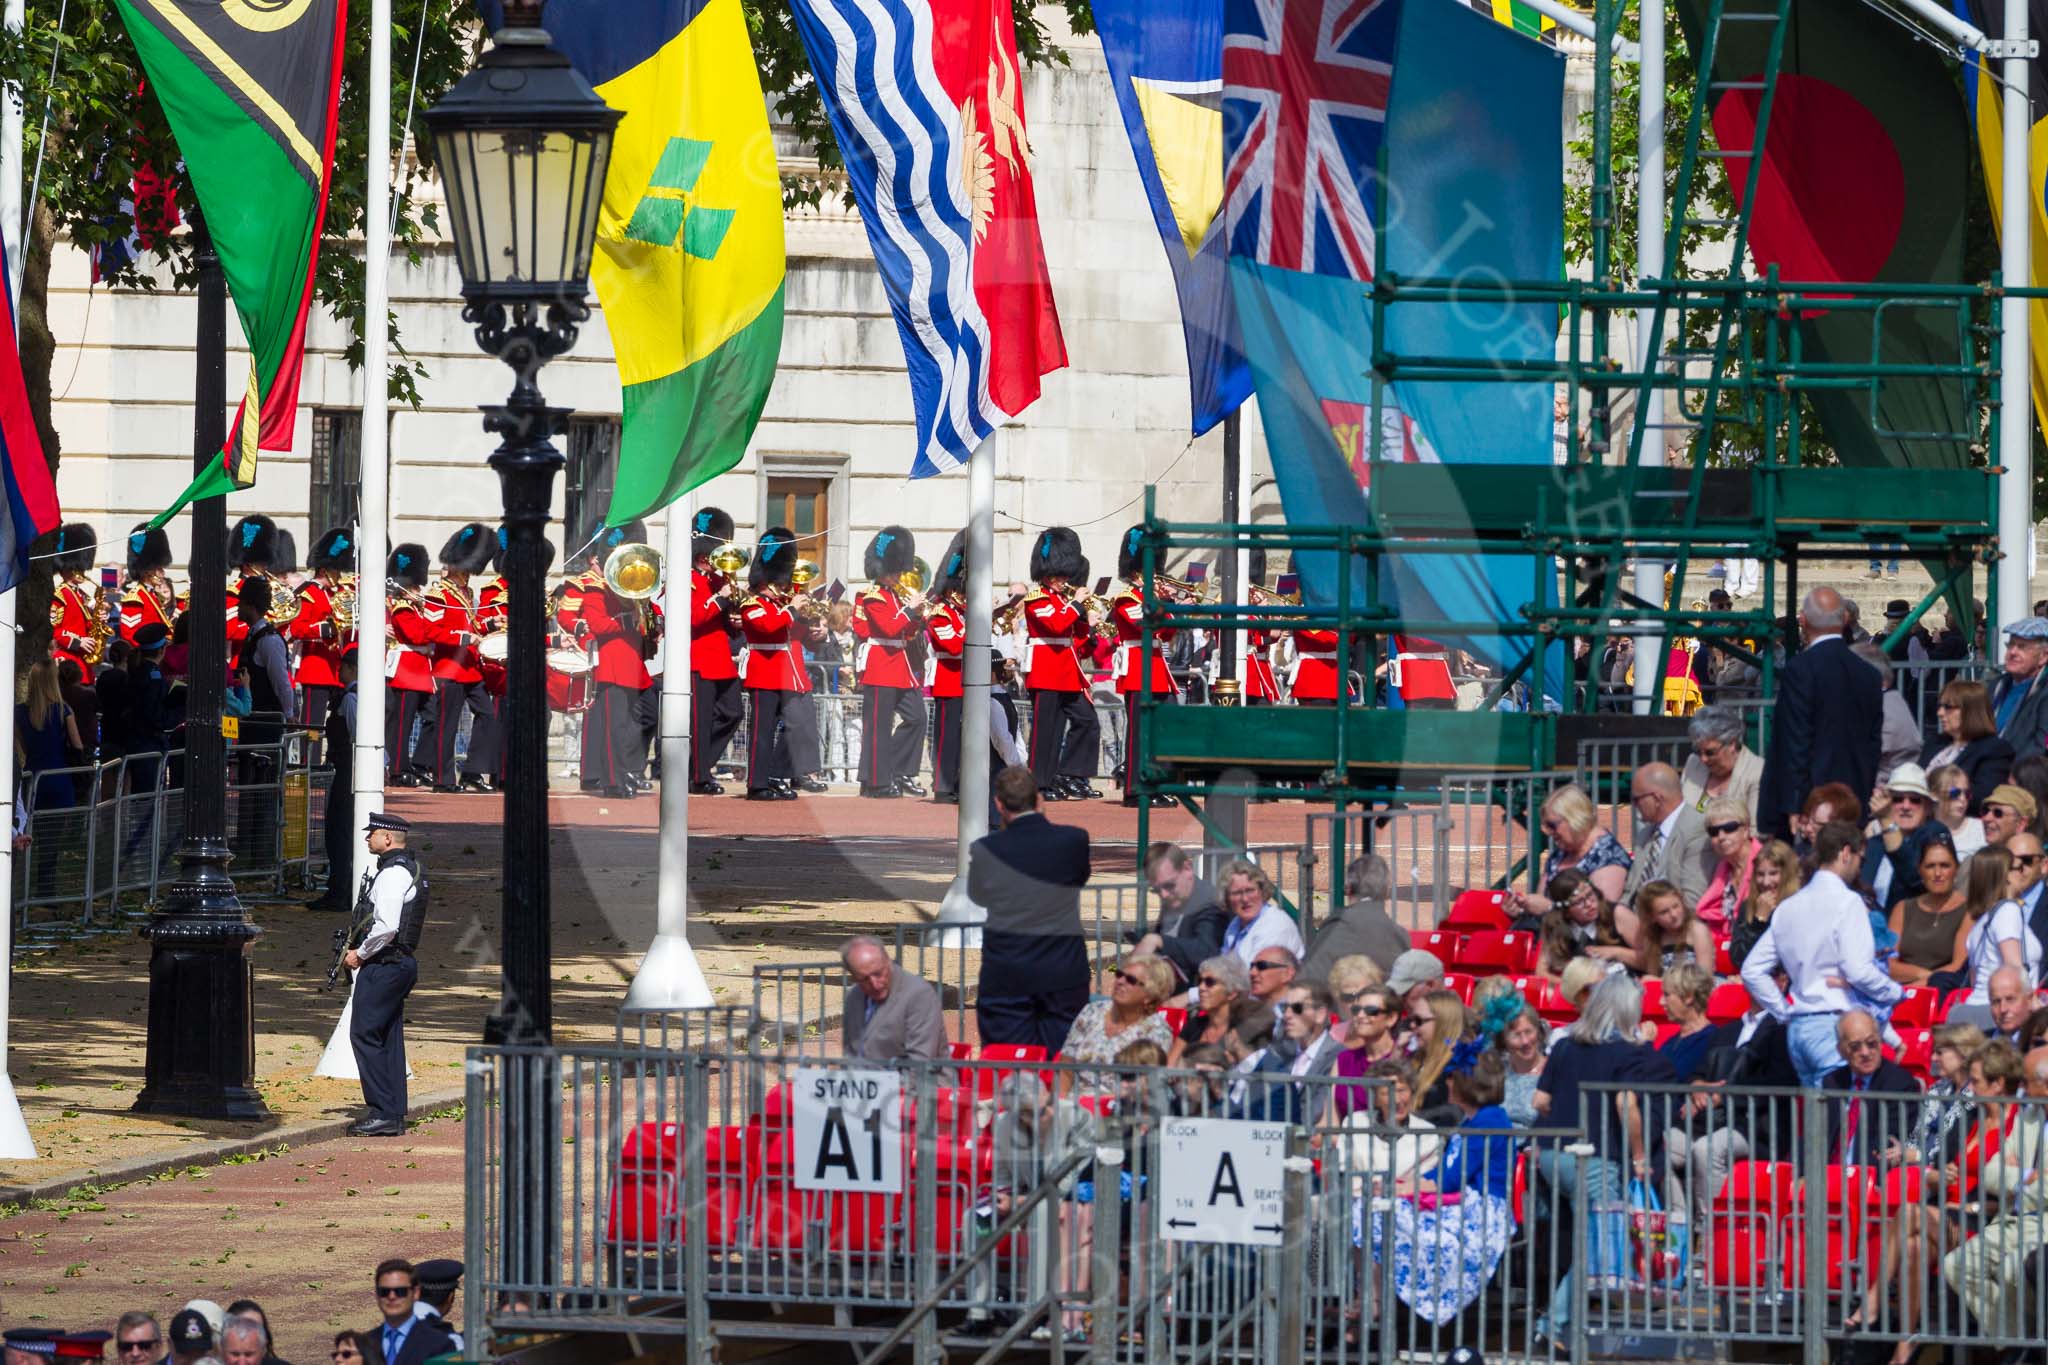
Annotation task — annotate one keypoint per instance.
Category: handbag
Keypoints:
(1657, 1240)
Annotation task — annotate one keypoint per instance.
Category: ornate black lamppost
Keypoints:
(200, 1058)
(522, 145)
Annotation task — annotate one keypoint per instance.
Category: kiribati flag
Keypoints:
(31, 494)
(926, 98)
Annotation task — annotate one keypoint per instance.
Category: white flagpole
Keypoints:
(669, 977)
(15, 1142)
(958, 908)
(368, 758)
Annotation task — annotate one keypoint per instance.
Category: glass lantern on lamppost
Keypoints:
(522, 144)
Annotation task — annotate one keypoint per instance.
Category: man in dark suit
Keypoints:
(891, 1015)
(1829, 719)
(1028, 875)
(1857, 1131)
(1281, 1092)
(1191, 914)
(403, 1338)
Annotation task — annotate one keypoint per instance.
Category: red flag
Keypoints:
(975, 55)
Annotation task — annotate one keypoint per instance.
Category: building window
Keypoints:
(593, 469)
(804, 505)
(336, 483)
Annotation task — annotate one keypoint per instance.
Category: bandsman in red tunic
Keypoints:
(945, 625)
(1312, 678)
(150, 598)
(1421, 673)
(613, 629)
(892, 702)
(716, 703)
(782, 733)
(408, 659)
(1133, 679)
(318, 630)
(1261, 688)
(458, 628)
(1064, 730)
(71, 601)
(254, 551)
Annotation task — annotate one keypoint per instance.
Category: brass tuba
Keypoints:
(633, 571)
(284, 600)
(342, 604)
(730, 558)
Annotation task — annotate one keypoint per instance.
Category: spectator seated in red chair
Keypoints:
(1580, 923)
(1131, 1014)
(1665, 931)
(891, 1015)
(1223, 997)
(1735, 848)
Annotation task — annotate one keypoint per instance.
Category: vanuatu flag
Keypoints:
(1865, 170)
(690, 261)
(249, 88)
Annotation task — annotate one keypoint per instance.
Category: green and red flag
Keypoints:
(1866, 165)
(249, 88)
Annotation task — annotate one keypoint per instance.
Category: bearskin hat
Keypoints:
(252, 543)
(336, 550)
(470, 549)
(1057, 554)
(1255, 565)
(1130, 555)
(952, 570)
(774, 559)
(284, 558)
(501, 565)
(149, 549)
(892, 551)
(603, 539)
(709, 529)
(1083, 572)
(408, 565)
(76, 548)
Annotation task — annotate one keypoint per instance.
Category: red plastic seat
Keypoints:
(1477, 910)
(1547, 1000)
(1176, 1019)
(1729, 1002)
(1665, 1033)
(1518, 1201)
(1915, 1008)
(1917, 1056)
(1949, 1002)
(1742, 1224)
(1497, 952)
(987, 1078)
(647, 1194)
(1464, 983)
(960, 1052)
(1724, 961)
(1653, 1001)
(1444, 944)
(855, 1223)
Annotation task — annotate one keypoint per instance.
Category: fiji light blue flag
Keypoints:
(1308, 330)
(1475, 181)
(1166, 64)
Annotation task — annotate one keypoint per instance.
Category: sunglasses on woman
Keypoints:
(1371, 1011)
(1728, 828)
(1130, 980)
(1207, 981)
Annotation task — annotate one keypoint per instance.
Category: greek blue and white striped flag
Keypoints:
(900, 131)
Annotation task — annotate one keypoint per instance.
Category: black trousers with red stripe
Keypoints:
(1065, 735)
(715, 711)
(614, 739)
(435, 753)
(782, 736)
(401, 708)
(946, 745)
(1132, 722)
(892, 734)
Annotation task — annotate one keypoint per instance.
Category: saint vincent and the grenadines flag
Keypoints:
(690, 257)
(249, 88)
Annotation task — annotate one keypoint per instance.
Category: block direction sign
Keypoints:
(1222, 1180)
(848, 1130)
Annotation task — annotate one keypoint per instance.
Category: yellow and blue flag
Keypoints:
(1166, 64)
(690, 254)
(1981, 92)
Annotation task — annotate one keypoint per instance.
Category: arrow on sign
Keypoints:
(1268, 1227)
(1182, 1223)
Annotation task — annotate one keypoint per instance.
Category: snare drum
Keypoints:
(497, 646)
(568, 680)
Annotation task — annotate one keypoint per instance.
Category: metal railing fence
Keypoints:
(1414, 841)
(990, 1202)
(1493, 829)
(1606, 766)
(99, 861)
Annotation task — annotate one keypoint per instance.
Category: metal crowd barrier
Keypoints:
(1920, 683)
(1111, 1213)
(1493, 827)
(1816, 1219)
(100, 862)
(1606, 767)
(1414, 840)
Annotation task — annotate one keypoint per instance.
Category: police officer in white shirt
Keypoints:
(1821, 937)
(391, 909)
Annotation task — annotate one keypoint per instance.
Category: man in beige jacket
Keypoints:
(1986, 1271)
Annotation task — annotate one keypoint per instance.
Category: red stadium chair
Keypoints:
(1852, 1195)
(1917, 1056)
(647, 1197)
(1742, 1225)
(1445, 945)
(1915, 1009)
(1549, 1002)
(1176, 1019)
(1724, 962)
(1954, 998)
(1653, 1001)
(1729, 1002)
(1476, 910)
(1496, 952)
(987, 1078)
(1464, 983)
(1665, 1033)
(849, 1223)
(960, 1052)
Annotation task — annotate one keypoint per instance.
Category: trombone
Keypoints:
(1189, 591)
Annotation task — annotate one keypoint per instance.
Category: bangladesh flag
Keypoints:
(249, 88)
(1866, 164)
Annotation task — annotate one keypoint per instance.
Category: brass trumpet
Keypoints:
(914, 579)
(1191, 591)
(804, 573)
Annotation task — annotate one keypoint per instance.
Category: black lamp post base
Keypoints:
(201, 1058)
